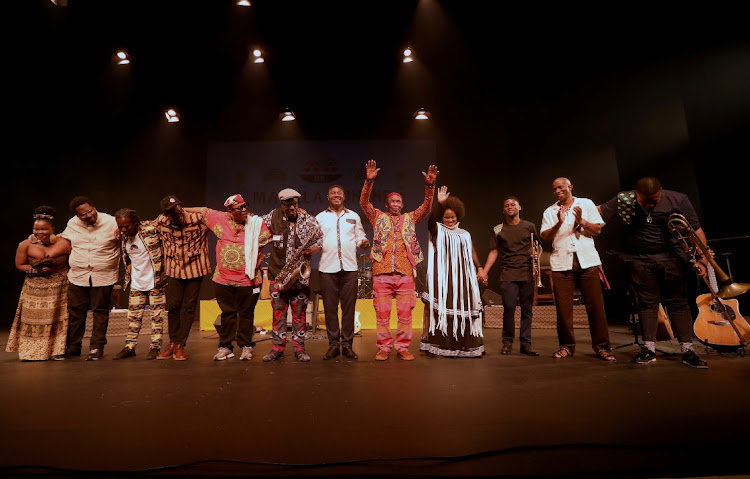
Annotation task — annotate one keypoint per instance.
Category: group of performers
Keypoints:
(167, 258)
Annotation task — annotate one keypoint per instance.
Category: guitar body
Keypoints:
(713, 327)
(664, 328)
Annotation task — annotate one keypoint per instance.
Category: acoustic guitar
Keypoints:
(664, 328)
(719, 322)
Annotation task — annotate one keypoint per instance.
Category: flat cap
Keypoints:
(288, 194)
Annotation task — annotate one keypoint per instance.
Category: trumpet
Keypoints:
(536, 249)
(691, 244)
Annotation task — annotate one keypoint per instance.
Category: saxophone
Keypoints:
(294, 269)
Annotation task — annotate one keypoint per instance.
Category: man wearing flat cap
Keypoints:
(395, 253)
(296, 236)
(184, 240)
(238, 276)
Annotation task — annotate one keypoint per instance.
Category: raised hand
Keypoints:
(372, 170)
(431, 175)
(442, 194)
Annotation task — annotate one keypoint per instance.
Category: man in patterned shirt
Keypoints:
(396, 253)
(292, 229)
(184, 239)
(142, 255)
(238, 276)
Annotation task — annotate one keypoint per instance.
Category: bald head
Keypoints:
(562, 189)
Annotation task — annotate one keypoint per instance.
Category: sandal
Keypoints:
(605, 355)
(563, 352)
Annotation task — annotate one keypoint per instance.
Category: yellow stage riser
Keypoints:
(209, 311)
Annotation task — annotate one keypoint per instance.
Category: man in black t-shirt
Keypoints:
(658, 265)
(512, 241)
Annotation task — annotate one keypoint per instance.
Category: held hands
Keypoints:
(482, 275)
(364, 244)
(371, 169)
(442, 194)
(431, 175)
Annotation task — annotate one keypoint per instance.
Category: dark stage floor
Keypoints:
(513, 416)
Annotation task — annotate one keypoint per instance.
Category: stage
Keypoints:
(511, 416)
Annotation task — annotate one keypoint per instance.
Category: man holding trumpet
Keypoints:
(513, 240)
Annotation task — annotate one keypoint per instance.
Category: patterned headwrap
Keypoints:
(233, 200)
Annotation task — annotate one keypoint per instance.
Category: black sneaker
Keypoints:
(152, 353)
(692, 360)
(273, 355)
(69, 353)
(95, 354)
(506, 348)
(125, 353)
(645, 356)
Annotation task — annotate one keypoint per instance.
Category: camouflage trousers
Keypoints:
(137, 301)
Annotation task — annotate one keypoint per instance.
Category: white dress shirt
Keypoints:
(95, 251)
(565, 242)
(342, 232)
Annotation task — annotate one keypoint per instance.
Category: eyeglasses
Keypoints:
(241, 208)
(87, 213)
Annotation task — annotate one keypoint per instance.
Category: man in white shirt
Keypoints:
(342, 235)
(142, 254)
(571, 224)
(94, 267)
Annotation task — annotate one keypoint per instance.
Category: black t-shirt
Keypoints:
(513, 244)
(652, 241)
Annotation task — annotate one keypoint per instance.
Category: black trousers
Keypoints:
(339, 287)
(237, 305)
(662, 282)
(80, 300)
(182, 299)
(515, 292)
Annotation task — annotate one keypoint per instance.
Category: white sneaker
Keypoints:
(223, 353)
(247, 353)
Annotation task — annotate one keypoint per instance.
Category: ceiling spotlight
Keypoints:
(257, 56)
(421, 114)
(172, 116)
(122, 58)
(408, 55)
(288, 115)
(243, 3)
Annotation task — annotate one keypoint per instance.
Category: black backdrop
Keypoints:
(517, 97)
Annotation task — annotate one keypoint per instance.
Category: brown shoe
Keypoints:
(405, 355)
(179, 353)
(382, 355)
(167, 353)
(349, 352)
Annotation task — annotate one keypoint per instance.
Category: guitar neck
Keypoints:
(712, 279)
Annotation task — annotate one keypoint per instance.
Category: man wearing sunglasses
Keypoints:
(238, 276)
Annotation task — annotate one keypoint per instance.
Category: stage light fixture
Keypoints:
(288, 115)
(408, 55)
(421, 114)
(122, 57)
(172, 116)
(243, 3)
(257, 56)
